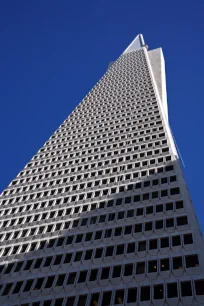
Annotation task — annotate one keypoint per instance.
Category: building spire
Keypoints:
(136, 44)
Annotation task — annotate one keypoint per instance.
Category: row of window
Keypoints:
(103, 192)
(118, 121)
(112, 133)
(105, 141)
(85, 159)
(112, 158)
(110, 180)
(97, 221)
(106, 163)
(69, 127)
(111, 146)
(91, 175)
(81, 118)
(101, 131)
(101, 274)
(62, 203)
(116, 251)
(154, 183)
(71, 212)
(141, 130)
(130, 295)
(42, 152)
(117, 232)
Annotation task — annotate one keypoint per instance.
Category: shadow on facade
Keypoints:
(109, 232)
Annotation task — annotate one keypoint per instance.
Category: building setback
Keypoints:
(101, 215)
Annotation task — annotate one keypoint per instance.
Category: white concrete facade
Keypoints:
(101, 215)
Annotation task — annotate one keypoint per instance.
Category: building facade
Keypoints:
(101, 215)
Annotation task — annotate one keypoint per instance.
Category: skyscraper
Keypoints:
(101, 215)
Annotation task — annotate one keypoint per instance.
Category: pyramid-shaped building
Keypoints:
(101, 215)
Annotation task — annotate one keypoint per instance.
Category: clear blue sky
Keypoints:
(53, 52)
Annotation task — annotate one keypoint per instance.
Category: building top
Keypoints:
(137, 43)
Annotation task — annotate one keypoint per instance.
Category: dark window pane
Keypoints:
(145, 293)
(186, 289)
(132, 295)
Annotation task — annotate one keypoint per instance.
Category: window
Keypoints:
(140, 212)
(148, 226)
(47, 303)
(88, 254)
(145, 293)
(169, 206)
(174, 191)
(58, 259)
(192, 261)
(58, 302)
(88, 236)
(7, 289)
(176, 240)
(70, 301)
(164, 242)
(140, 268)
(118, 231)
(158, 292)
(60, 280)
(153, 244)
(116, 271)
(130, 213)
(128, 270)
(152, 266)
(182, 221)
(120, 249)
(108, 233)
(71, 278)
(109, 251)
(164, 193)
(82, 277)
(138, 228)
(28, 285)
(179, 204)
(49, 282)
(38, 283)
(98, 235)
(142, 246)
(82, 300)
(79, 238)
(8, 269)
(68, 258)
(188, 239)
(164, 264)
(106, 299)
(149, 210)
(17, 287)
(94, 299)
(172, 290)
(199, 287)
(132, 295)
(119, 297)
(131, 247)
(93, 275)
(177, 263)
(128, 230)
(159, 208)
(169, 222)
(19, 265)
(105, 273)
(78, 256)
(186, 289)
(29, 263)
